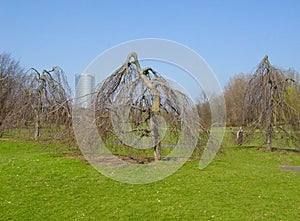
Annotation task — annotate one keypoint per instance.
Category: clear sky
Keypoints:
(232, 36)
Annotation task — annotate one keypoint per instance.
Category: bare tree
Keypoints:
(11, 74)
(49, 96)
(234, 96)
(33, 97)
(266, 103)
(147, 102)
(204, 111)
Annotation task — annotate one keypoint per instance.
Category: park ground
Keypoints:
(42, 181)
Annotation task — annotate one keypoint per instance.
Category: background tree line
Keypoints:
(40, 102)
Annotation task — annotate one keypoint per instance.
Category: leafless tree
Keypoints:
(204, 110)
(269, 102)
(33, 98)
(146, 100)
(234, 96)
(49, 96)
(11, 74)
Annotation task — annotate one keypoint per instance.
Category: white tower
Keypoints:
(84, 86)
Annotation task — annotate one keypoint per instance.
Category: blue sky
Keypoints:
(232, 36)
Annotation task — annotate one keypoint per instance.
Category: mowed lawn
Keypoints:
(40, 182)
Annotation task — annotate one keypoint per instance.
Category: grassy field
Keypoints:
(41, 182)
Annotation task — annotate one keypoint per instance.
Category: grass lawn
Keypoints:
(38, 182)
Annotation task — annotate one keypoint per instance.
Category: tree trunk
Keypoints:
(37, 127)
(37, 111)
(269, 118)
(269, 143)
(157, 152)
(1, 129)
(157, 147)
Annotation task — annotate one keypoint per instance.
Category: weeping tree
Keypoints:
(48, 96)
(138, 107)
(269, 105)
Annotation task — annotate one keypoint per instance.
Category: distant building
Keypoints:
(84, 86)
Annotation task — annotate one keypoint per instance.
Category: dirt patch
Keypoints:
(293, 168)
(107, 159)
(110, 161)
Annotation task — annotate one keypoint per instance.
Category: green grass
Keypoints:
(38, 182)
